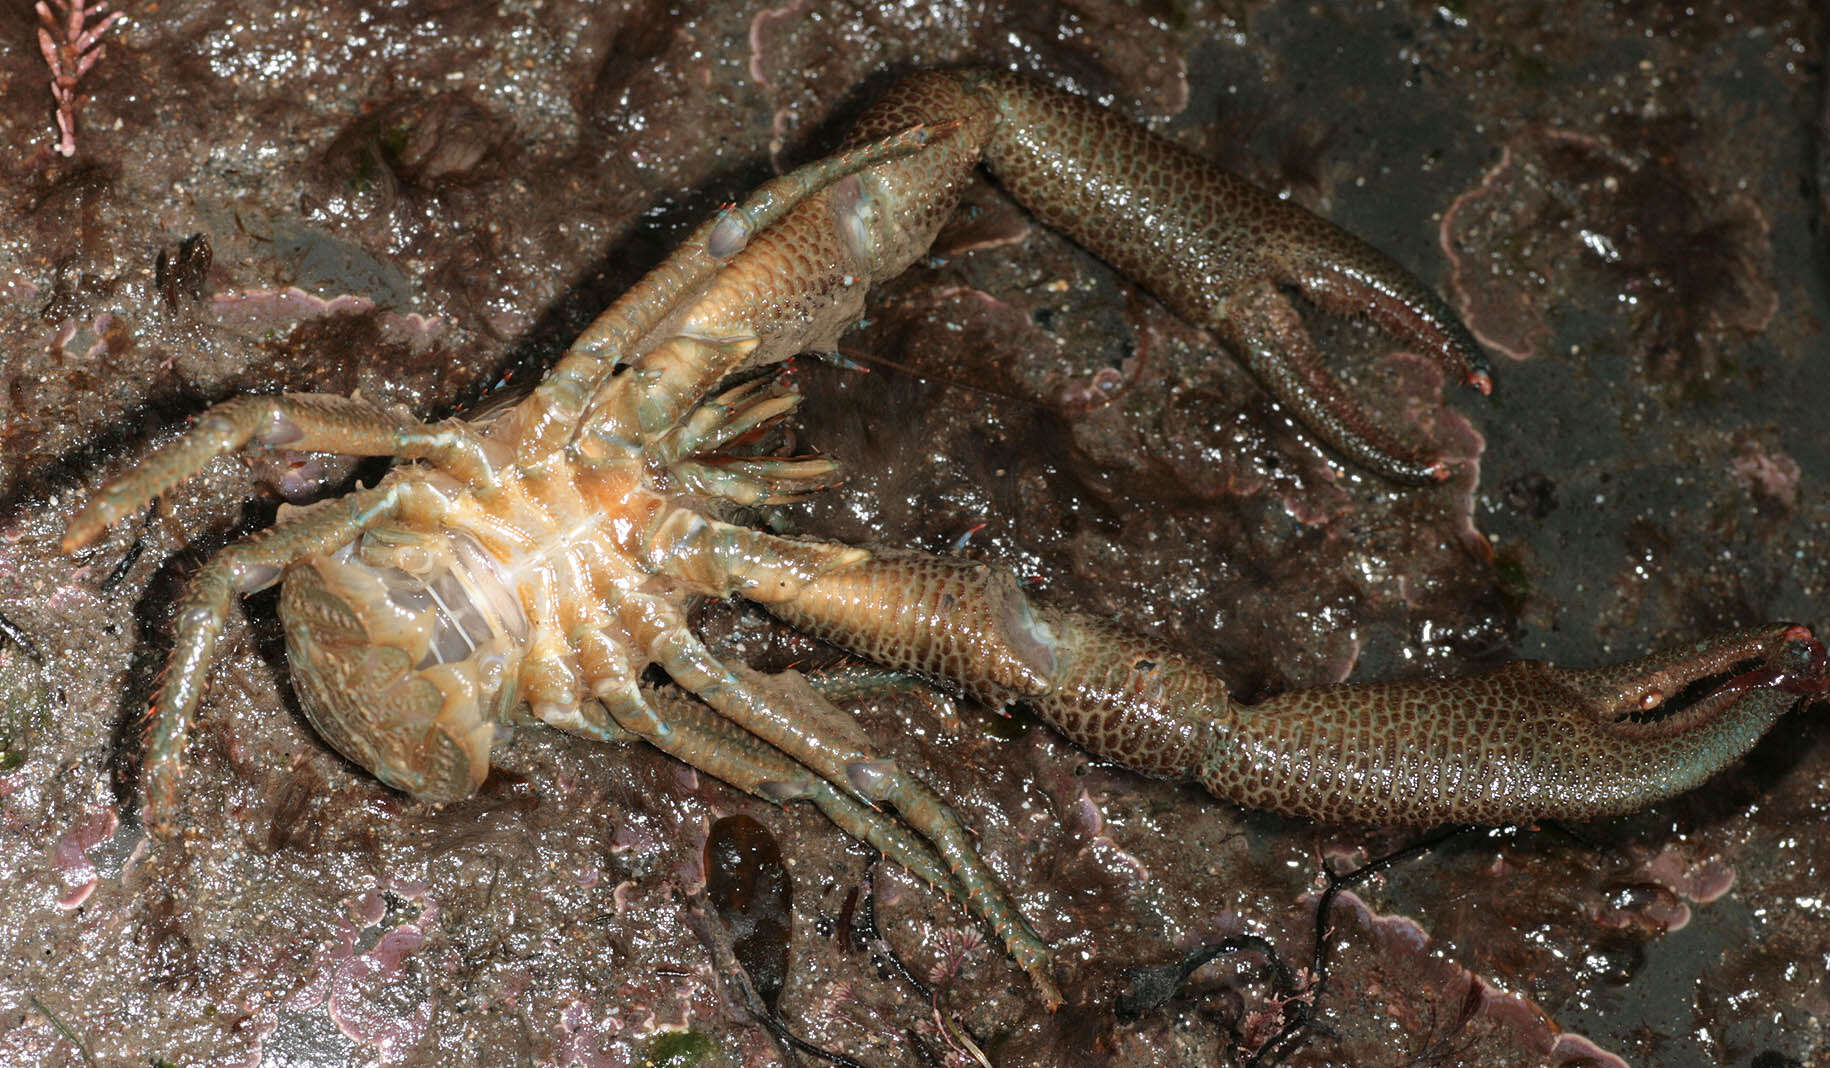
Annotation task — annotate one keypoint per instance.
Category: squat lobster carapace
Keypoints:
(532, 568)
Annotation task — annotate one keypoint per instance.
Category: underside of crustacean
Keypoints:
(535, 567)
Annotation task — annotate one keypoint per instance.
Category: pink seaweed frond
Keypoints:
(71, 45)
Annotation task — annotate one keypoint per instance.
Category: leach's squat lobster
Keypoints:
(531, 567)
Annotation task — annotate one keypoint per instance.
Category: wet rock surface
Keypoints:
(1626, 200)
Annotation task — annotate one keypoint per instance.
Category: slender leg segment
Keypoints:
(695, 735)
(690, 449)
(249, 565)
(305, 422)
(788, 714)
(562, 405)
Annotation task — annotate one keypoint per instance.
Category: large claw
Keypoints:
(1526, 742)
(1219, 252)
(1529, 741)
(406, 675)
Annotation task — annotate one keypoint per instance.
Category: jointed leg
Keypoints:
(557, 410)
(307, 422)
(787, 713)
(688, 450)
(246, 566)
(722, 419)
(694, 734)
(1528, 741)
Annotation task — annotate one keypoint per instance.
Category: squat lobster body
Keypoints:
(532, 568)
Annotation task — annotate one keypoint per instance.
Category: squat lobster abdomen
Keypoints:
(374, 646)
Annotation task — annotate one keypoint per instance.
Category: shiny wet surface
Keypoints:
(414, 201)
